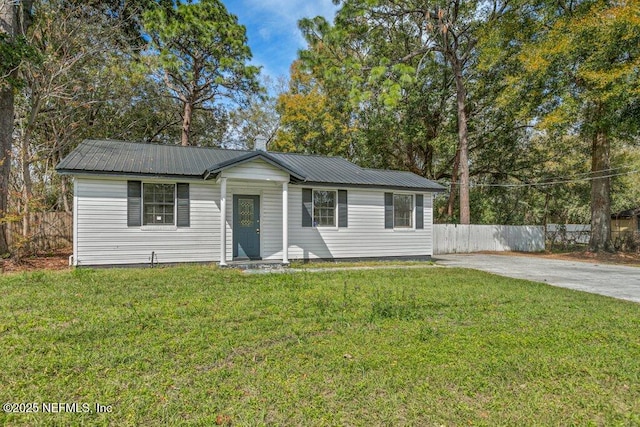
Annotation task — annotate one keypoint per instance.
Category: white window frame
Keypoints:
(412, 225)
(175, 205)
(313, 208)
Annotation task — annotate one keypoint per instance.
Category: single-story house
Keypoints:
(627, 221)
(137, 203)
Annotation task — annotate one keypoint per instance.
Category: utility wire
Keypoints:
(548, 183)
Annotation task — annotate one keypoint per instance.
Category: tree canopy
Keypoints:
(202, 55)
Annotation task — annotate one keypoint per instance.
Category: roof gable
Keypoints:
(249, 157)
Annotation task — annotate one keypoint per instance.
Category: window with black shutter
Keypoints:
(183, 205)
(307, 207)
(158, 204)
(419, 211)
(134, 203)
(343, 209)
(388, 210)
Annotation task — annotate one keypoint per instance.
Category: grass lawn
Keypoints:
(432, 346)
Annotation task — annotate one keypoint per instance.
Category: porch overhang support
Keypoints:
(223, 222)
(285, 223)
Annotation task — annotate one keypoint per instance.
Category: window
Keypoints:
(402, 211)
(159, 202)
(398, 210)
(324, 208)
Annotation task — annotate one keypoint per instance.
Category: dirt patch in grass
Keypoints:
(585, 256)
(56, 260)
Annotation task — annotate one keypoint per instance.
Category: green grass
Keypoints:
(306, 265)
(434, 346)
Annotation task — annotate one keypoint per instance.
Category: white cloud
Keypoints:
(265, 33)
(272, 28)
(292, 10)
(282, 16)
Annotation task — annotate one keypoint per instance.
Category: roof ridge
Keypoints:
(389, 170)
(244, 150)
(310, 155)
(160, 144)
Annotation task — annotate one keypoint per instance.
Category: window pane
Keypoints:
(324, 208)
(159, 203)
(402, 210)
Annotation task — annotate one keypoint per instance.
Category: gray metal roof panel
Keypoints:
(336, 170)
(138, 158)
(114, 157)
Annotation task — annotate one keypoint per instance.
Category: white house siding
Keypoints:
(365, 235)
(256, 170)
(103, 237)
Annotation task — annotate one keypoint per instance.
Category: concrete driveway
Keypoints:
(616, 281)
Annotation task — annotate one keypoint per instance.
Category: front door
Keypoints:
(246, 227)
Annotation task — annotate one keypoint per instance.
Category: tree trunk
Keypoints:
(27, 186)
(463, 144)
(65, 197)
(7, 26)
(600, 194)
(454, 185)
(186, 123)
(6, 131)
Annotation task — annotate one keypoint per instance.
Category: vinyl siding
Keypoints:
(103, 237)
(365, 236)
(256, 170)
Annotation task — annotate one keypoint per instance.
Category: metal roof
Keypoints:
(130, 158)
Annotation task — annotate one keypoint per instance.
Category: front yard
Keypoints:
(197, 345)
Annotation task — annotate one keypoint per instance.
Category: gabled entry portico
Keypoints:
(246, 187)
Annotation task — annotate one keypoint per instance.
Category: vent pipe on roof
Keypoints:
(261, 143)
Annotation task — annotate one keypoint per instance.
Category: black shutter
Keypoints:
(134, 203)
(307, 208)
(183, 205)
(419, 211)
(343, 210)
(388, 210)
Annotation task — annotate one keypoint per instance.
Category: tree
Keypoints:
(311, 117)
(203, 56)
(14, 21)
(578, 74)
(400, 36)
(62, 96)
(258, 119)
(331, 108)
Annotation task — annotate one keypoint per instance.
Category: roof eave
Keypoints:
(125, 174)
(374, 186)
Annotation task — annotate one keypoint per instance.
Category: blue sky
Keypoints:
(272, 29)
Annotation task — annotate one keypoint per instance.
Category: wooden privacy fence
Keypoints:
(455, 238)
(48, 231)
